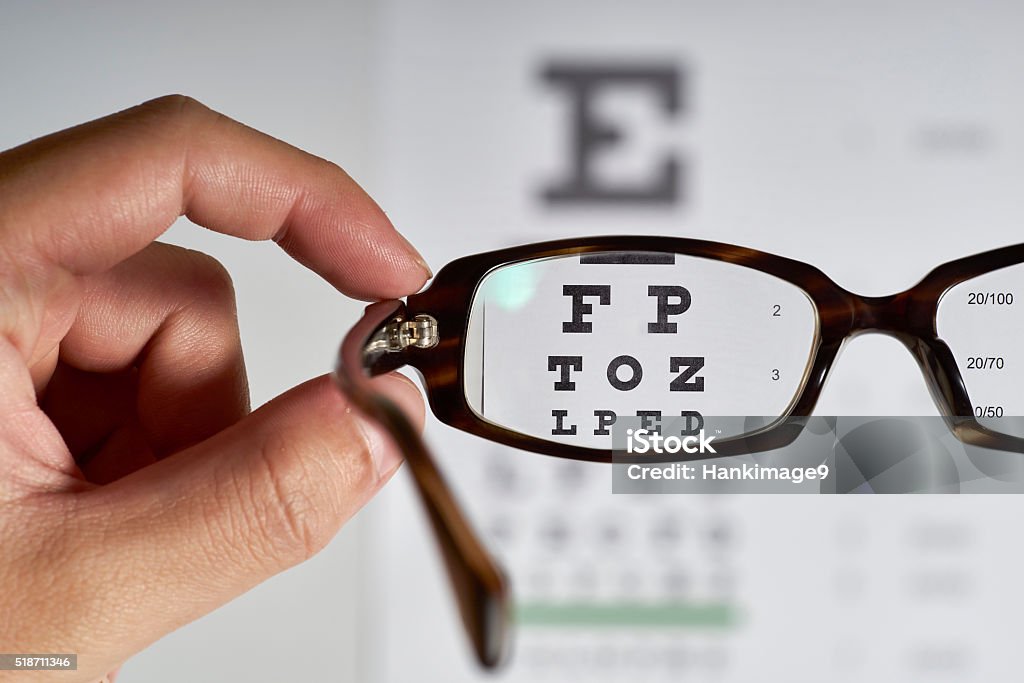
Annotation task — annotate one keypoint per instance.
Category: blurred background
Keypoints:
(874, 139)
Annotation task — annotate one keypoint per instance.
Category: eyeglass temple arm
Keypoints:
(479, 583)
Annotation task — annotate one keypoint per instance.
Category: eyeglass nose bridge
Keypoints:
(903, 317)
(894, 315)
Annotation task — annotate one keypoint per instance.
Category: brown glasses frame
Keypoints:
(479, 583)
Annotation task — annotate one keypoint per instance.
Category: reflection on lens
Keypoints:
(559, 348)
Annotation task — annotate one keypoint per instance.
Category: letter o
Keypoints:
(632, 382)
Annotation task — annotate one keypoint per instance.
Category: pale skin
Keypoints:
(137, 491)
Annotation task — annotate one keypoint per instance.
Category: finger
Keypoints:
(96, 416)
(79, 201)
(194, 530)
(168, 312)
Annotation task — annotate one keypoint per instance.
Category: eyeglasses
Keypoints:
(543, 347)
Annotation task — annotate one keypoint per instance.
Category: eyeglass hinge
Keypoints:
(398, 335)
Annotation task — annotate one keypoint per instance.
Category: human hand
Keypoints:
(137, 493)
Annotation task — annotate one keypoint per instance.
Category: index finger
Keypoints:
(88, 197)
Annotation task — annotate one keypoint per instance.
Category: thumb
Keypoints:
(192, 531)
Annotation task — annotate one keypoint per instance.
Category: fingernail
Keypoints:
(417, 256)
(425, 267)
(387, 454)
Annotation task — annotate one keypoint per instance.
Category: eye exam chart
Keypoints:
(898, 147)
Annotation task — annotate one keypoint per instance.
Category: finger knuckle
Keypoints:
(199, 279)
(209, 277)
(175, 119)
(178, 108)
(289, 524)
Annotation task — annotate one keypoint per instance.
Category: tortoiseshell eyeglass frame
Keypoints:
(393, 334)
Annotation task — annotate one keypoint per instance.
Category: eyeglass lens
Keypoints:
(559, 348)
